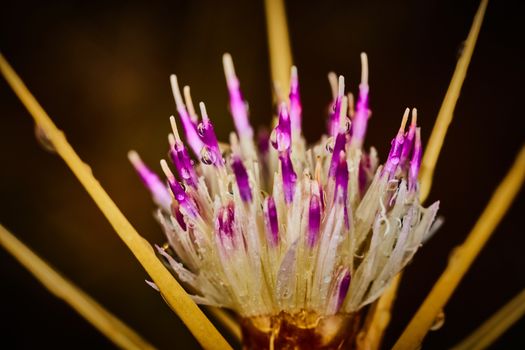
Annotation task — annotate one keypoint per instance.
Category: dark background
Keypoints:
(101, 71)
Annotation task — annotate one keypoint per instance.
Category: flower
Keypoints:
(271, 226)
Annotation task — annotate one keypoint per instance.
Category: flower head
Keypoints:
(270, 226)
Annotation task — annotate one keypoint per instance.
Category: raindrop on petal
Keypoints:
(439, 321)
(43, 140)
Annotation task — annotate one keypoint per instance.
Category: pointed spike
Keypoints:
(157, 189)
(229, 70)
(404, 121)
(189, 103)
(204, 113)
(167, 171)
(332, 80)
(351, 106)
(342, 115)
(364, 69)
(173, 124)
(341, 87)
(272, 224)
(413, 121)
(171, 140)
(176, 91)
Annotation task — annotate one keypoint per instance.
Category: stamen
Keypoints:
(351, 107)
(176, 91)
(341, 87)
(332, 79)
(204, 113)
(188, 125)
(189, 104)
(364, 69)
(174, 128)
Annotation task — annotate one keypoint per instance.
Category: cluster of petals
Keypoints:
(265, 224)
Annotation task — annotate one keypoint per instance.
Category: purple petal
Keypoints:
(272, 225)
(157, 188)
(178, 215)
(343, 284)
(241, 175)
(409, 143)
(334, 118)
(210, 152)
(397, 147)
(362, 114)
(263, 141)
(340, 143)
(289, 176)
(180, 158)
(314, 220)
(295, 101)
(190, 129)
(282, 138)
(179, 192)
(415, 162)
(224, 224)
(341, 185)
(238, 106)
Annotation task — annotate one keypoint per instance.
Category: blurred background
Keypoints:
(101, 70)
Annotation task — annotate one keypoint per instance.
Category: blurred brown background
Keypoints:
(101, 71)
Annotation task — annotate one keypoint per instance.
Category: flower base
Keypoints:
(303, 330)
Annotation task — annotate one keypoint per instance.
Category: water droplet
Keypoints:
(273, 138)
(43, 140)
(208, 157)
(330, 142)
(439, 321)
(283, 141)
(348, 124)
(184, 173)
(201, 129)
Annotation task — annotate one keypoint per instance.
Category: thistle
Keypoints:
(272, 227)
(282, 235)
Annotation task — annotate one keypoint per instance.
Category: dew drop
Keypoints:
(43, 140)
(273, 138)
(208, 157)
(348, 124)
(439, 321)
(201, 129)
(283, 141)
(330, 142)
